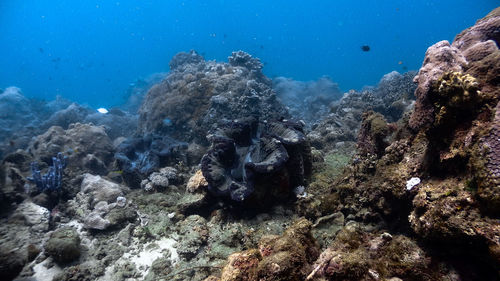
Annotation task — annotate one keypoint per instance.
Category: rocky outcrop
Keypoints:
(207, 92)
(438, 175)
(88, 147)
(138, 157)
(286, 257)
(63, 245)
(101, 204)
(392, 97)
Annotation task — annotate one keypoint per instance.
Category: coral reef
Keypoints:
(285, 257)
(392, 97)
(357, 255)
(418, 200)
(28, 117)
(308, 101)
(137, 157)
(207, 92)
(449, 143)
(87, 147)
(138, 89)
(19, 120)
(372, 134)
(160, 180)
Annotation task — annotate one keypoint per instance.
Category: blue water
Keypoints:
(90, 51)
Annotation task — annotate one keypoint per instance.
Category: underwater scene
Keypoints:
(249, 140)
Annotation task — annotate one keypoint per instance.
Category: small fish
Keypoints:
(261, 46)
(102, 110)
(167, 122)
(41, 50)
(56, 59)
(365, 48)
(12, 143)
(400, 62)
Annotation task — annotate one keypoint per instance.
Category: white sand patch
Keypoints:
(151, 252)
(143, 256)
(43, 273)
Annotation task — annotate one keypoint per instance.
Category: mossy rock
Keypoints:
(63, 245)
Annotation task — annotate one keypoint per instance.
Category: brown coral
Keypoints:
(373, 133)
(242, 266)
(451, 143)
(359, 255)
(207, 92)
(486, 163)
(285, 257)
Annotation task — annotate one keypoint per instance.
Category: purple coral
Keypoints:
(53, 178)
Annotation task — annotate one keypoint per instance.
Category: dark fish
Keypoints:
(225, 35)
(365, 48)
(262, 46)
(12, 143)
(56, 60)
(41, 50)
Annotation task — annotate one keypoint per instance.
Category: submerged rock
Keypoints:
(34, 216)
(449, 143)
(357, 255)
(207, 92)
(285, 257)
(11, 263)
(63, 245)
(138, 157)
(392, 97)
(100, 189)
(77, 142)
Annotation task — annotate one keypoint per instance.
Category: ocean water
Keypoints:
(217, 172)
(91, 51)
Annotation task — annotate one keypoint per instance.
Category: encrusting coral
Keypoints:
(285, 257)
